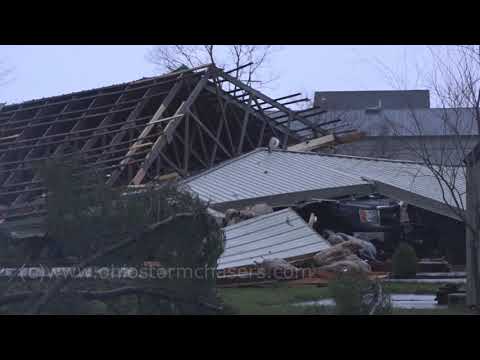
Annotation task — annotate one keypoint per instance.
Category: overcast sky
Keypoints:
(42, 71)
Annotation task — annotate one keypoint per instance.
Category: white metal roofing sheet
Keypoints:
(412, 177)
(263, 173)
(282, 234)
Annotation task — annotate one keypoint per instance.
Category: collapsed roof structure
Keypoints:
(282, 234)
(282, 178)
(175, 124)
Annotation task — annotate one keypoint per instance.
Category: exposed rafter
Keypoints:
(181, 122)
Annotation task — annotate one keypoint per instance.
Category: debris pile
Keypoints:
(233, 216)
(278, 269)
(346, 254)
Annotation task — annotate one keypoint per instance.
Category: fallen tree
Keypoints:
(119, 227)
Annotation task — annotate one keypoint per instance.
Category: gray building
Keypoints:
(361, 100)
(400, 125)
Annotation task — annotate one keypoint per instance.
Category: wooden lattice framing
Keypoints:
(182, 122)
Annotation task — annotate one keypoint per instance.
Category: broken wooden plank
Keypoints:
(169, 129)
(159, 114)
(350, 137)
(168, 177)
(313, 144)
(327, 140)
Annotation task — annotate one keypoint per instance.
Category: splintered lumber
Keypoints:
(327, 140)
(313, 144)
(168, 177)
(350, 137)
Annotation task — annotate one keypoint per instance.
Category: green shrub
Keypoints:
(404, 262)
(346, 291)
(355, 294)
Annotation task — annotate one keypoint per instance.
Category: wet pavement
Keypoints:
(399, 301)
(428, 281)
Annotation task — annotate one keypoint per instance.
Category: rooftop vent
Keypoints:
(375, 109)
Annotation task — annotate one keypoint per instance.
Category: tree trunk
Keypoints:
(473, 235)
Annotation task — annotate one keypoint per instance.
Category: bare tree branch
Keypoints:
(171, 57)
(455, 82)
(62, 282)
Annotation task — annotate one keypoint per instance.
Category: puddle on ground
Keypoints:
(458, 281)
(399, 301)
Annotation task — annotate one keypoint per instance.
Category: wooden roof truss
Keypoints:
(183, 122)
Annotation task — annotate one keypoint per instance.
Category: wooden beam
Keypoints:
(6, 152)
(240, 125)
(36, 176)
(186, 145)
(169, 129)
(286, 103)
(70, 136)
(272, 127)
(227, 124)
(350, 137)
(285, 139)
(310, 112)
(171, 163)
(192, 150)
(262, 132)
(313, 144)
(213, 155)
(13, 172)
(223, 114)
(10, 137)
(327, 140)
(154, 81)
(96, 115)
(159, 114)
(318, 125)
(244, 127)
(202, 141)
(282, 98)
(176, 155)
(263, 97)
(59, 149)
(256, 114)
(209, 133)
(168, 177)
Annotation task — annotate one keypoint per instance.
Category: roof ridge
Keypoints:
(81, 91)
(352, 157)
(264, 149)
(143, 79)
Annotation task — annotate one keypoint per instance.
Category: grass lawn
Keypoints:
(272, 300)
(278, 299)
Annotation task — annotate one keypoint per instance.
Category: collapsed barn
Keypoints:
(234, 147)
(386, 201)
(161, 127)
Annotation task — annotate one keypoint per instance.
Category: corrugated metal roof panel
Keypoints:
(282, 234)
(263, 173)
(412, 177)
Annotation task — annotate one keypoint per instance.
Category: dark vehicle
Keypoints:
(386, 223)
(373, 217)
(367, 214)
